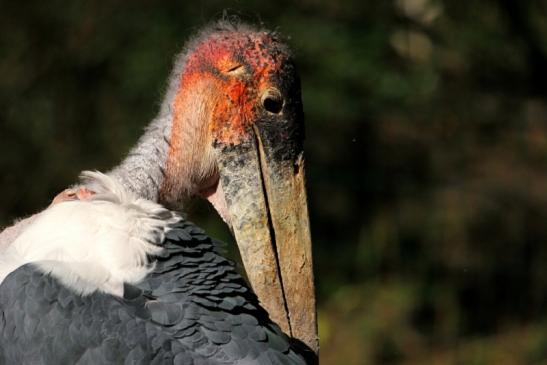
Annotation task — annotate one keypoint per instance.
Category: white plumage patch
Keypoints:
(96, 244)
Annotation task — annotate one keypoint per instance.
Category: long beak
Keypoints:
(266, 199)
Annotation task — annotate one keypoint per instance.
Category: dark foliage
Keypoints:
(426, 152)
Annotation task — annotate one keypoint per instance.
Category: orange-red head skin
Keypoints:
(240, 64)
(217, 100)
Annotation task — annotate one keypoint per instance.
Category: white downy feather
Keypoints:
(97, 244)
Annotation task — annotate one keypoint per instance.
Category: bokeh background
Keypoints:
(426, 153)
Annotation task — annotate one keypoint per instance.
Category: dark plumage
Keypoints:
(193, 309)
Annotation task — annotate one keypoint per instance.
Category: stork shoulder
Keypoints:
(96, 244)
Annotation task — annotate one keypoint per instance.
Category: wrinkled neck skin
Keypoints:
(173, 160)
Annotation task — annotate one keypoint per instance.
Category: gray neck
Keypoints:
(143, 169)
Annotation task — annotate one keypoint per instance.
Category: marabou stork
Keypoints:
(107, 275)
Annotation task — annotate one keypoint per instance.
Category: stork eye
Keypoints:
(272, 101)
(236, 70)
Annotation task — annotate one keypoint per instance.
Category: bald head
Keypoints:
(227, 79)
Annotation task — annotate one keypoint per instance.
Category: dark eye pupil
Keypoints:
(273, 104)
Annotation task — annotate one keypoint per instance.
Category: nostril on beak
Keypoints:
(272, 101)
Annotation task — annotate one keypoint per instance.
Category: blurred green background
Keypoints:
(426, 153)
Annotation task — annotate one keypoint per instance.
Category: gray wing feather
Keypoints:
(194, 308)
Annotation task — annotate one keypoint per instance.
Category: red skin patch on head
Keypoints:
(237, 97)
(218, 96)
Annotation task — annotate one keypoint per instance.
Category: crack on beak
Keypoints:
(261, 162)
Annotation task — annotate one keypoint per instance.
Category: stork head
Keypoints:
(236, 139)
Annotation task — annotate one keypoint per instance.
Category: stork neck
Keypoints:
(143, 170)
(170, 158)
